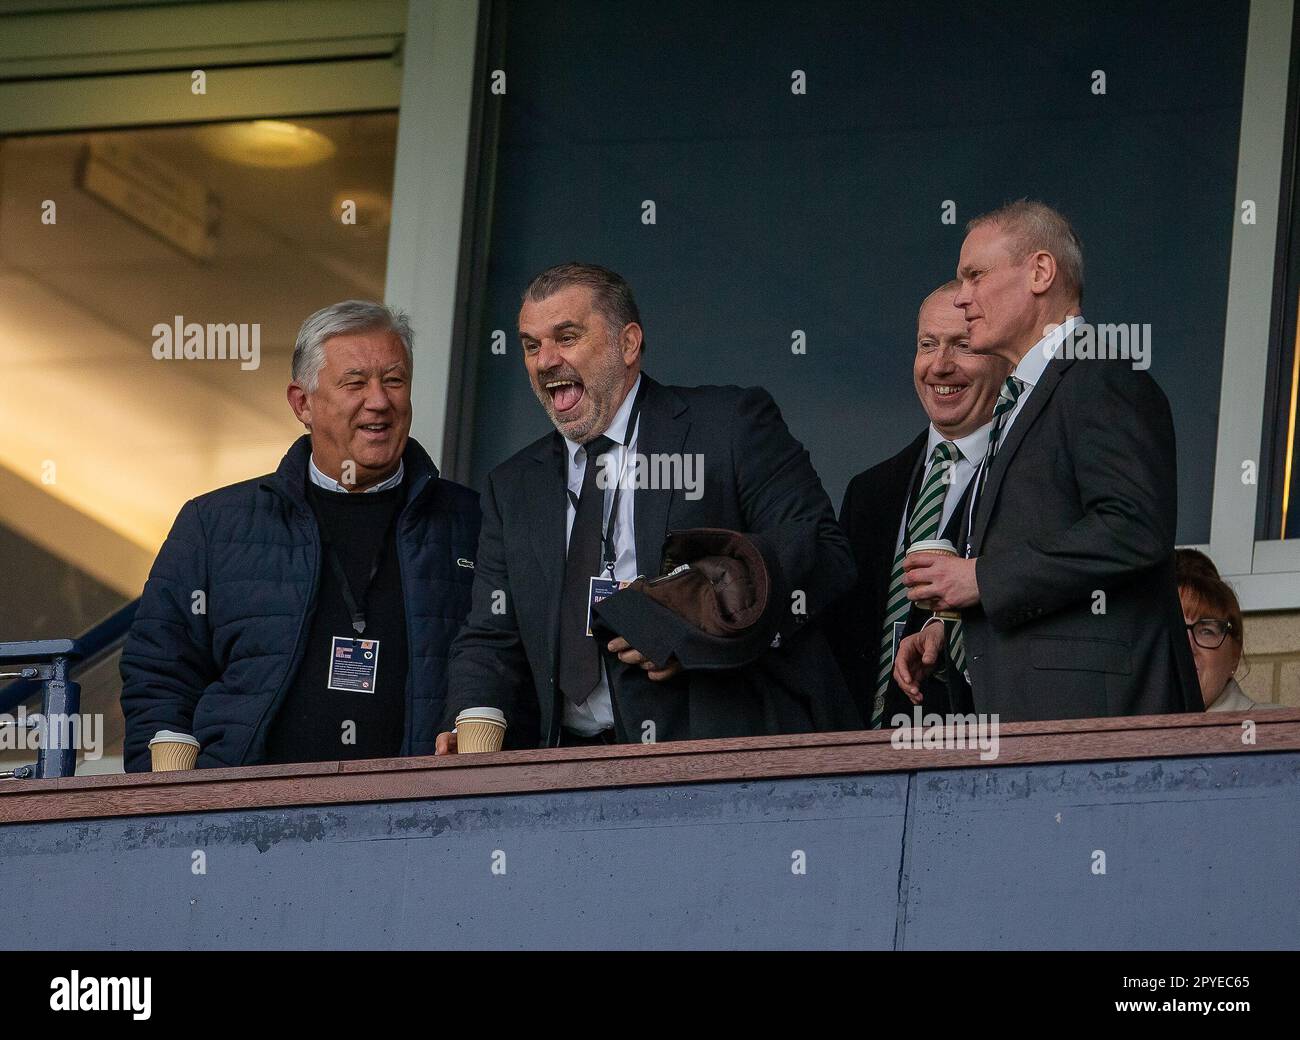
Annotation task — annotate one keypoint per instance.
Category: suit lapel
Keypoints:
(546, 481)
(894, 509)
(1038, 398)
(665, 419)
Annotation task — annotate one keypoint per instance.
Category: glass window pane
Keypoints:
(151, 285)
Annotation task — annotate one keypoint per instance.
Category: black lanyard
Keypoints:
(976, 489)
(608, 556)
(357, 612)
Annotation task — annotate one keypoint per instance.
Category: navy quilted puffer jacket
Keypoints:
(220, 669)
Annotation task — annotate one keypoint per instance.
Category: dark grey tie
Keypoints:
(579, 664)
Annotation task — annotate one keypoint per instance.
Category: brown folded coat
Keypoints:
(715, 580)
(750, 666)
(711, 607)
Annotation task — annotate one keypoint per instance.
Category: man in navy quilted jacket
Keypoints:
(307, 615)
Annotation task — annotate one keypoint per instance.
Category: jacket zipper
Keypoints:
(409, 727)
(409, 723)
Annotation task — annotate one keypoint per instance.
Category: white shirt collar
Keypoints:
(618, 425)
(972, 447)
(330, 484)
(1032, 365)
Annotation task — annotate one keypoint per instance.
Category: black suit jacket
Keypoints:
(1074, 534)
(758, 480)
(874, 505)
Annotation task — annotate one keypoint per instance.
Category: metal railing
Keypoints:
(48, 667)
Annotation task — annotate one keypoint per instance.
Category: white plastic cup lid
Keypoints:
(166, 736)
(484, 714)
(932, 545)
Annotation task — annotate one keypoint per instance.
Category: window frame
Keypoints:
(1265, 571)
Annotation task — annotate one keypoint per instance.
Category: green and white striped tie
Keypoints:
(1007, 398)
(923, 524)
(956, 644)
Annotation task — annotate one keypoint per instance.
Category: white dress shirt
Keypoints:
(1030, 372)
(1032, 365)
(970, 452)
(596, 713)
(330, 484)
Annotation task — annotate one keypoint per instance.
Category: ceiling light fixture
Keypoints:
(267, 143)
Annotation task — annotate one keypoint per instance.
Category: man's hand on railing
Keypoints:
(445, 744)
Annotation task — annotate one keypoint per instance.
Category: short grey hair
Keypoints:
(339, 319)
(1034, 225)
(610, 293)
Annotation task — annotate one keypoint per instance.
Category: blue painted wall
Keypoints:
(821, 212)
(1200, 853)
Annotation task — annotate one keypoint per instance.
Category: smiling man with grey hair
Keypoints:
(308, 615)
(357, 437)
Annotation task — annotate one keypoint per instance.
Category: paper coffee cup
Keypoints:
(480, 729)
(933, 545)
(171, 751)
(939, 547)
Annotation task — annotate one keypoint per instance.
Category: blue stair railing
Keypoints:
(48, 668)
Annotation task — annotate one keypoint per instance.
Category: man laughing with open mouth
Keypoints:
(560, 545)
(581, 368)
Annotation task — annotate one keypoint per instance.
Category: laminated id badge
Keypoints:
(899, 628)
(599, 589)
(352, 664)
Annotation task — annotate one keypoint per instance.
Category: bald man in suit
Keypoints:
(918, 492)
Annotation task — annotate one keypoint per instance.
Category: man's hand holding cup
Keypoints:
(938, 579)
(477, 730)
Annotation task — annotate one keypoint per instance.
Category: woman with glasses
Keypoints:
(1214, 626)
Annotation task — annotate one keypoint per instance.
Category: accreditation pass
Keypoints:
(353, 663)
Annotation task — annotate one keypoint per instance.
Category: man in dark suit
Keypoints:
(1066, 588)
(915, 495)
(588, 507)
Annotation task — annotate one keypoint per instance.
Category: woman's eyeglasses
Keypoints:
(1209, 633)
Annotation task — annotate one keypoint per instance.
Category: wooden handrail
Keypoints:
(630, 765)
